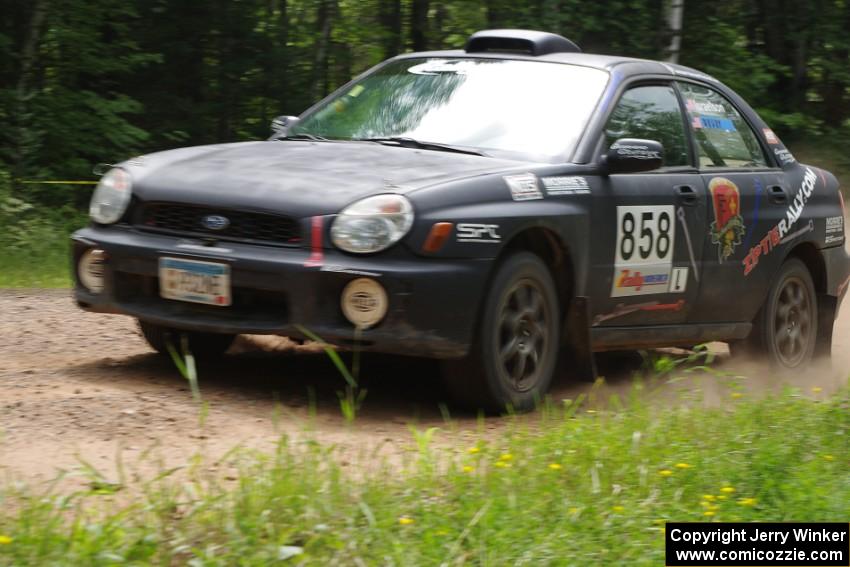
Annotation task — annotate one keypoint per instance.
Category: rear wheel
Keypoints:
(513, 358)
(785, 330)
(201, 345)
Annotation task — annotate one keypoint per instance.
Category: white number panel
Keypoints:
(644, 256)
(645, 235)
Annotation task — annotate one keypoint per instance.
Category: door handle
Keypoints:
(687, 195)
(777, 194)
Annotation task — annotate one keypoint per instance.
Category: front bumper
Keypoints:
(433, 303)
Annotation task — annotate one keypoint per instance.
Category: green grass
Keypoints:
(567, 486)
(49, 269)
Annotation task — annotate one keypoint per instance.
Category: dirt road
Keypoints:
(78, 386)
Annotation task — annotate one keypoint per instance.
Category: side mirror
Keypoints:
(630, 155)
(283, 123)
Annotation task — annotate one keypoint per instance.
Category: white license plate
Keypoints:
(194, 281)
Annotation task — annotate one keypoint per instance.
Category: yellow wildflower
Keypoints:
(708, 513)
(829, 457)
(5, 540)
(506, 457)
(665, 472)
(817, 390)
(573, 510)
(736, 395)
(721, 497)
(747, 501)
(405, 520)
(555, 466)
(727, 490)
(503, 465)
(683, 466)
(468, 469)
(709, 497)
(618, 509)
(473, 450)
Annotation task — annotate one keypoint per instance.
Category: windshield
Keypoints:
(527, 108)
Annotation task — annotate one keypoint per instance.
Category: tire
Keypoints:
(785, 329)
(520, 318)
(201, 345)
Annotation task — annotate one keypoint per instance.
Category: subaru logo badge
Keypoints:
(215, 222)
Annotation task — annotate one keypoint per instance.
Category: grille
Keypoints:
(245, 226)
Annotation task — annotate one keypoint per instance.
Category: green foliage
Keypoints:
(592, 486)
(34, 244)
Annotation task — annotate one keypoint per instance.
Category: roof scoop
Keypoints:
(526, 42)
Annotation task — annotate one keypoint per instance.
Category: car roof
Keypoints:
(625, 66)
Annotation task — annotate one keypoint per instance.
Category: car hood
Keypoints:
(301, 178)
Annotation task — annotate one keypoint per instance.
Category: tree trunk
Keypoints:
(324, 24)
(391, 31)
(675, 10)
(23, 89)
(419, 25)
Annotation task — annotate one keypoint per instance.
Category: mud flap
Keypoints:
(827, 306)
(578, 348)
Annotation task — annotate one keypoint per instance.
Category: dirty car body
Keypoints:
(636, 204)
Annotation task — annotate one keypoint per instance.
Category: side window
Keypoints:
(724, 139)
(651, 113)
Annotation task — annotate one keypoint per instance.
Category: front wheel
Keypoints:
(513, 358)
(785, 330)
(201, 345)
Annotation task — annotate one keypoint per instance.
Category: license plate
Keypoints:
(194, 281)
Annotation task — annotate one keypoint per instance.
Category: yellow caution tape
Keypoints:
(30, 182)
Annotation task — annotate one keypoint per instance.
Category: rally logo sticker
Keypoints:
(834, 230)
(566, 185)
(644, 256)
(782, 233)
(727, 228)
(475, 232)
(770, 136)
(523, 187)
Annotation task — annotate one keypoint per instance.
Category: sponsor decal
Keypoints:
(566, 185)
(338, 269)
(713, 123)
(727, 229)
(623, 309)
(637, 151)
(834, 230)
(679, 280)
(474, 232)
(523, 187)
(784, 156)
(644, 255)
(781, 233)
(706, 107)
(639, 282)
(770, 136)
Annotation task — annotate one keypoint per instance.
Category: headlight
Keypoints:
(111, 197)
(373, 224)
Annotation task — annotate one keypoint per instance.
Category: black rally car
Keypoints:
(503, 207)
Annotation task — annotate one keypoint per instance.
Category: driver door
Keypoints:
(648, 228)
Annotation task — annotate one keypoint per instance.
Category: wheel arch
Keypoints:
(550, 247)
(811, 256)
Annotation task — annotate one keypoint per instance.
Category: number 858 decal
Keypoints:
(645, 235)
